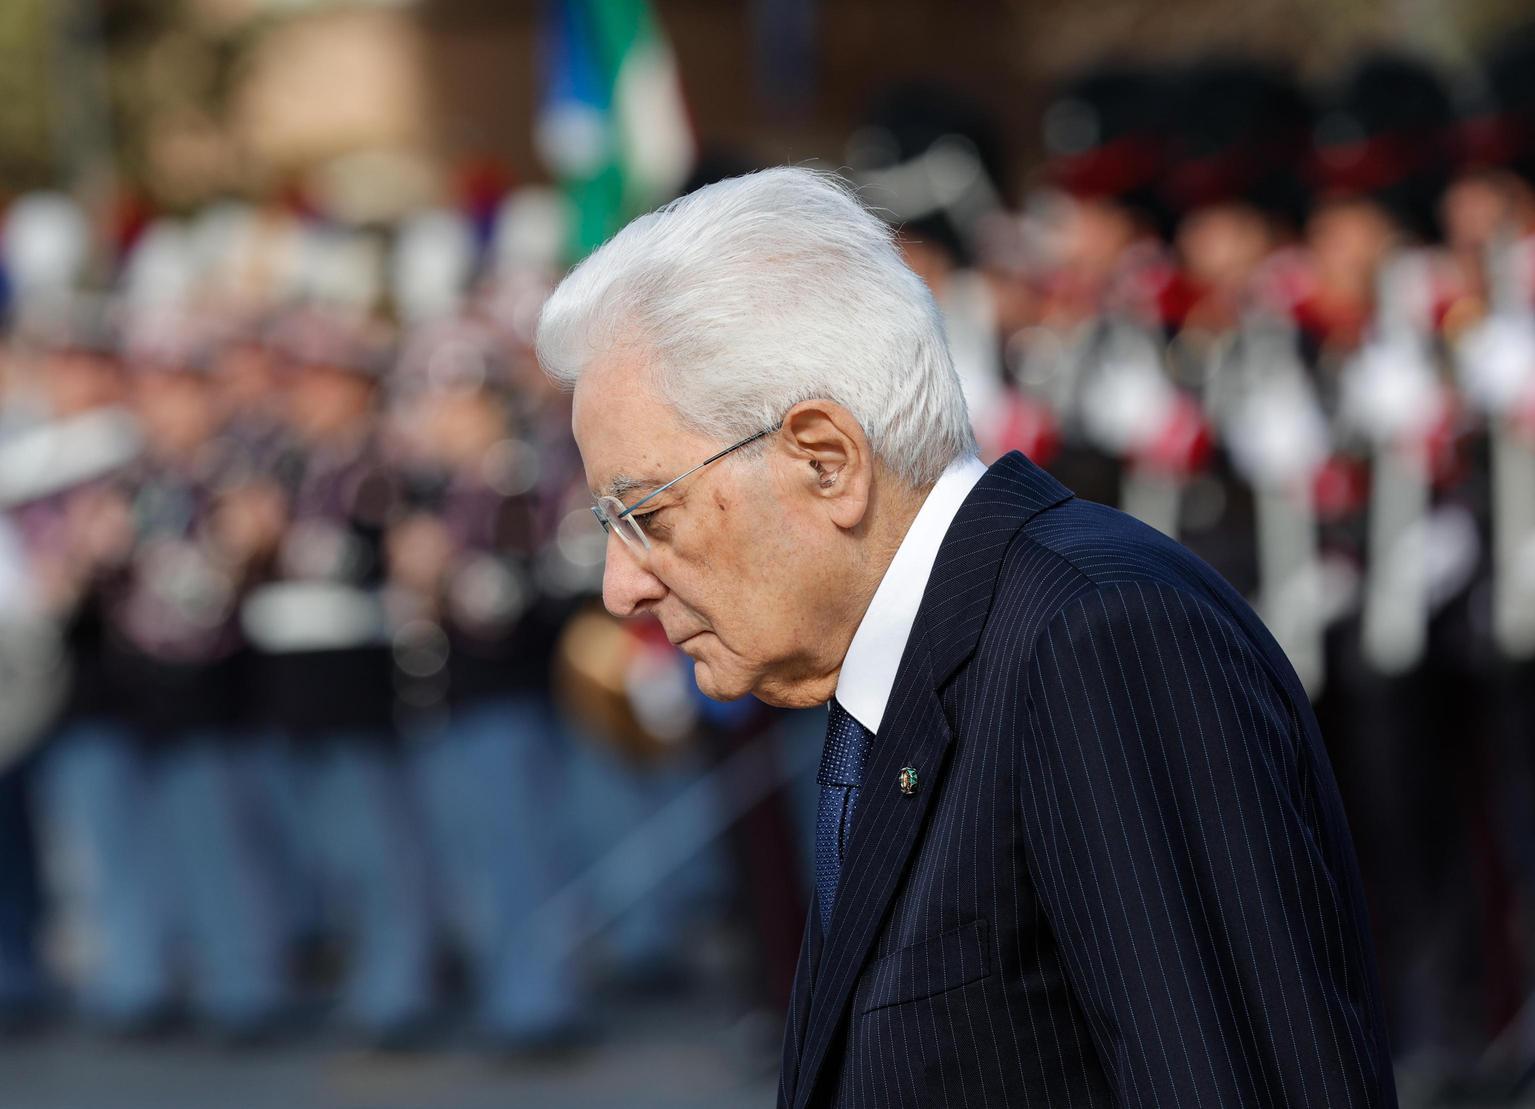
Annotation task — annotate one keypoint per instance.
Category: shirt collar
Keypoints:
(868, 670)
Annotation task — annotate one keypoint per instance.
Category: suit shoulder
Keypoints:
(1107, 546)
(1078, 547)
(1080, 550)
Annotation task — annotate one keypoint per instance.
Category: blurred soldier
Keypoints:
(1378, 165)
(1107, 135)
(1488, 209)
(1234, 181)
(1235, 185)
(22, 980)
(321, 677)
(95, 797)
(252, 395)
(1113, 297)
(1489, 220)
(41, 596)
(170, 650)
(1402, 713)
(473, 635)
(23, 983)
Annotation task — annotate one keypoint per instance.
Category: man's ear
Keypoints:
(835, 464)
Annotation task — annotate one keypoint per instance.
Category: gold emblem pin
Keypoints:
(908, 780)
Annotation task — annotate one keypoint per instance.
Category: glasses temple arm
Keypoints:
(700, 466)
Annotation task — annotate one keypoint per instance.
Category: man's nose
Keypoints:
(626, 584)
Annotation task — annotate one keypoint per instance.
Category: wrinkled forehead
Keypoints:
(630, 439)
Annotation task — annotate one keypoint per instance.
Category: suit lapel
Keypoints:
(884, 831)
(914, 733)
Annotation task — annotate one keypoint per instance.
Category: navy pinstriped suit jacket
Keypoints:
(1125, 879)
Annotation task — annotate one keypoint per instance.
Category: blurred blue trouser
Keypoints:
(158, 847)
(267, 759)
(492, 784)
(97, 808)
(21, 977)
(363, 831)
(226, 903)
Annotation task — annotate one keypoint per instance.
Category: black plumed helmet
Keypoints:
(1503, 133)
(1384, 133)
(1107, 132)
(1239, 133)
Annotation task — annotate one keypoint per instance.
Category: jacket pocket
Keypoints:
(947, 961)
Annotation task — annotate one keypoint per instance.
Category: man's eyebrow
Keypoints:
(623, 484)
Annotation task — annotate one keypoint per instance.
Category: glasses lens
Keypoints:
(625, 527)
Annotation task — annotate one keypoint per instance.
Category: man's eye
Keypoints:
(648, 520)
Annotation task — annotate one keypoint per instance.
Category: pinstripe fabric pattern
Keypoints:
(1126, 879)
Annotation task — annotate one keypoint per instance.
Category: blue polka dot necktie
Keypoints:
(841, 773)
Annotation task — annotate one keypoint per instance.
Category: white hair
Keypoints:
(758, 292)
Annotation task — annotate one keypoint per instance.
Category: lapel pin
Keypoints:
(908, 780)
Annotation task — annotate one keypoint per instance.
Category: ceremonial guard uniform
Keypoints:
(1489, 222)
(93, 795)
(170, 644)
(54, 692)
(473, 633)
(322, 675)
(1405, 736)
(1112, 298)
(1235, 184)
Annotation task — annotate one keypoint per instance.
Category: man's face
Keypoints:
(1223, 244)
(1349, 239)
(1476, 208)
(176, 408)
(78, 381)
(1090, 236)
(735, 572)
(329, 399)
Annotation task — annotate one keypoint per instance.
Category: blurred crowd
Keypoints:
(287, 582)
(298, 572)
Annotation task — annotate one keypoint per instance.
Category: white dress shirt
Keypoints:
(868, 671)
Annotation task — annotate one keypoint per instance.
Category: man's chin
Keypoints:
(734, 687)
(717, 687)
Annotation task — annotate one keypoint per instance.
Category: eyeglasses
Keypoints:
(618, 519)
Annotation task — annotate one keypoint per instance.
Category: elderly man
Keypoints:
(1078, 841)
